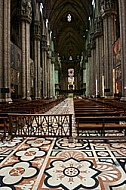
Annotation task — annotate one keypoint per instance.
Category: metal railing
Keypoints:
(40, 125)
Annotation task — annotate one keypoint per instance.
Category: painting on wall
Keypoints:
(117, 65)
(117, 53)
(118, 79)
(15, 57)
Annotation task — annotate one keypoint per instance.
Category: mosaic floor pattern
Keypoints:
(45, 163)
(62, 163)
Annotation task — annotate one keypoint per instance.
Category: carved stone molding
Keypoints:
(92, 41)
(25, 10)
(89, 50)
(108, 7)
(37, 30)
(44, 42)
(98, 27)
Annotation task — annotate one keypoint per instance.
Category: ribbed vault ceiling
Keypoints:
(68, 36)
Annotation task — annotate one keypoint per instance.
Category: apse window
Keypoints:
(70, 79)
(70, 58)
(69, 17)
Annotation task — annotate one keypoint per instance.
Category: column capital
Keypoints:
(108, 7)
(85, 58)
(52, 60)
(98, 27)
(49, 54)
(37, 30)
(25, 10)
(92, 40)
(44, 42)
(88, 50)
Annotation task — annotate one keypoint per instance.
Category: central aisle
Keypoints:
(65, 107)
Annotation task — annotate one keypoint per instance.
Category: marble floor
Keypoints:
(62, 164)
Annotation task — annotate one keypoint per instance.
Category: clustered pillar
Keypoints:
(122, 13)
(98, 35)
(102, 36)
(44, 65)
(25, 19)
(37, 68)
(5, 50)
(108, 13)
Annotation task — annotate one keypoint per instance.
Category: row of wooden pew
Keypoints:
(112, 103)
(26, 106)
(94, 115)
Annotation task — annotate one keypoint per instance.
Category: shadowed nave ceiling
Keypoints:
(68, 35)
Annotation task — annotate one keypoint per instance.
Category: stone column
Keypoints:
(88, 67)
(99, 49)
(5, 50)
(44, 64)
(87, 93)
(49, 73)
(52, 78)
(25, 16)
(122, 14)
(37, 69)
(108, 13)
(93, 66)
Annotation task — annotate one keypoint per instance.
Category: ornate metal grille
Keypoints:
(40, 125)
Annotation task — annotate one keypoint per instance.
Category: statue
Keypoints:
(26, 8)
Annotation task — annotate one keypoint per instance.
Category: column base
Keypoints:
(28, 98)
(123, 99)
(37, 98)
(9, 100)
(108, 97)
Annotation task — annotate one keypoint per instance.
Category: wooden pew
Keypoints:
(112, 103)
(101, 124)
(90, 115)
(91, 107)
(25, 106)
(96, 113)
(4, 125)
